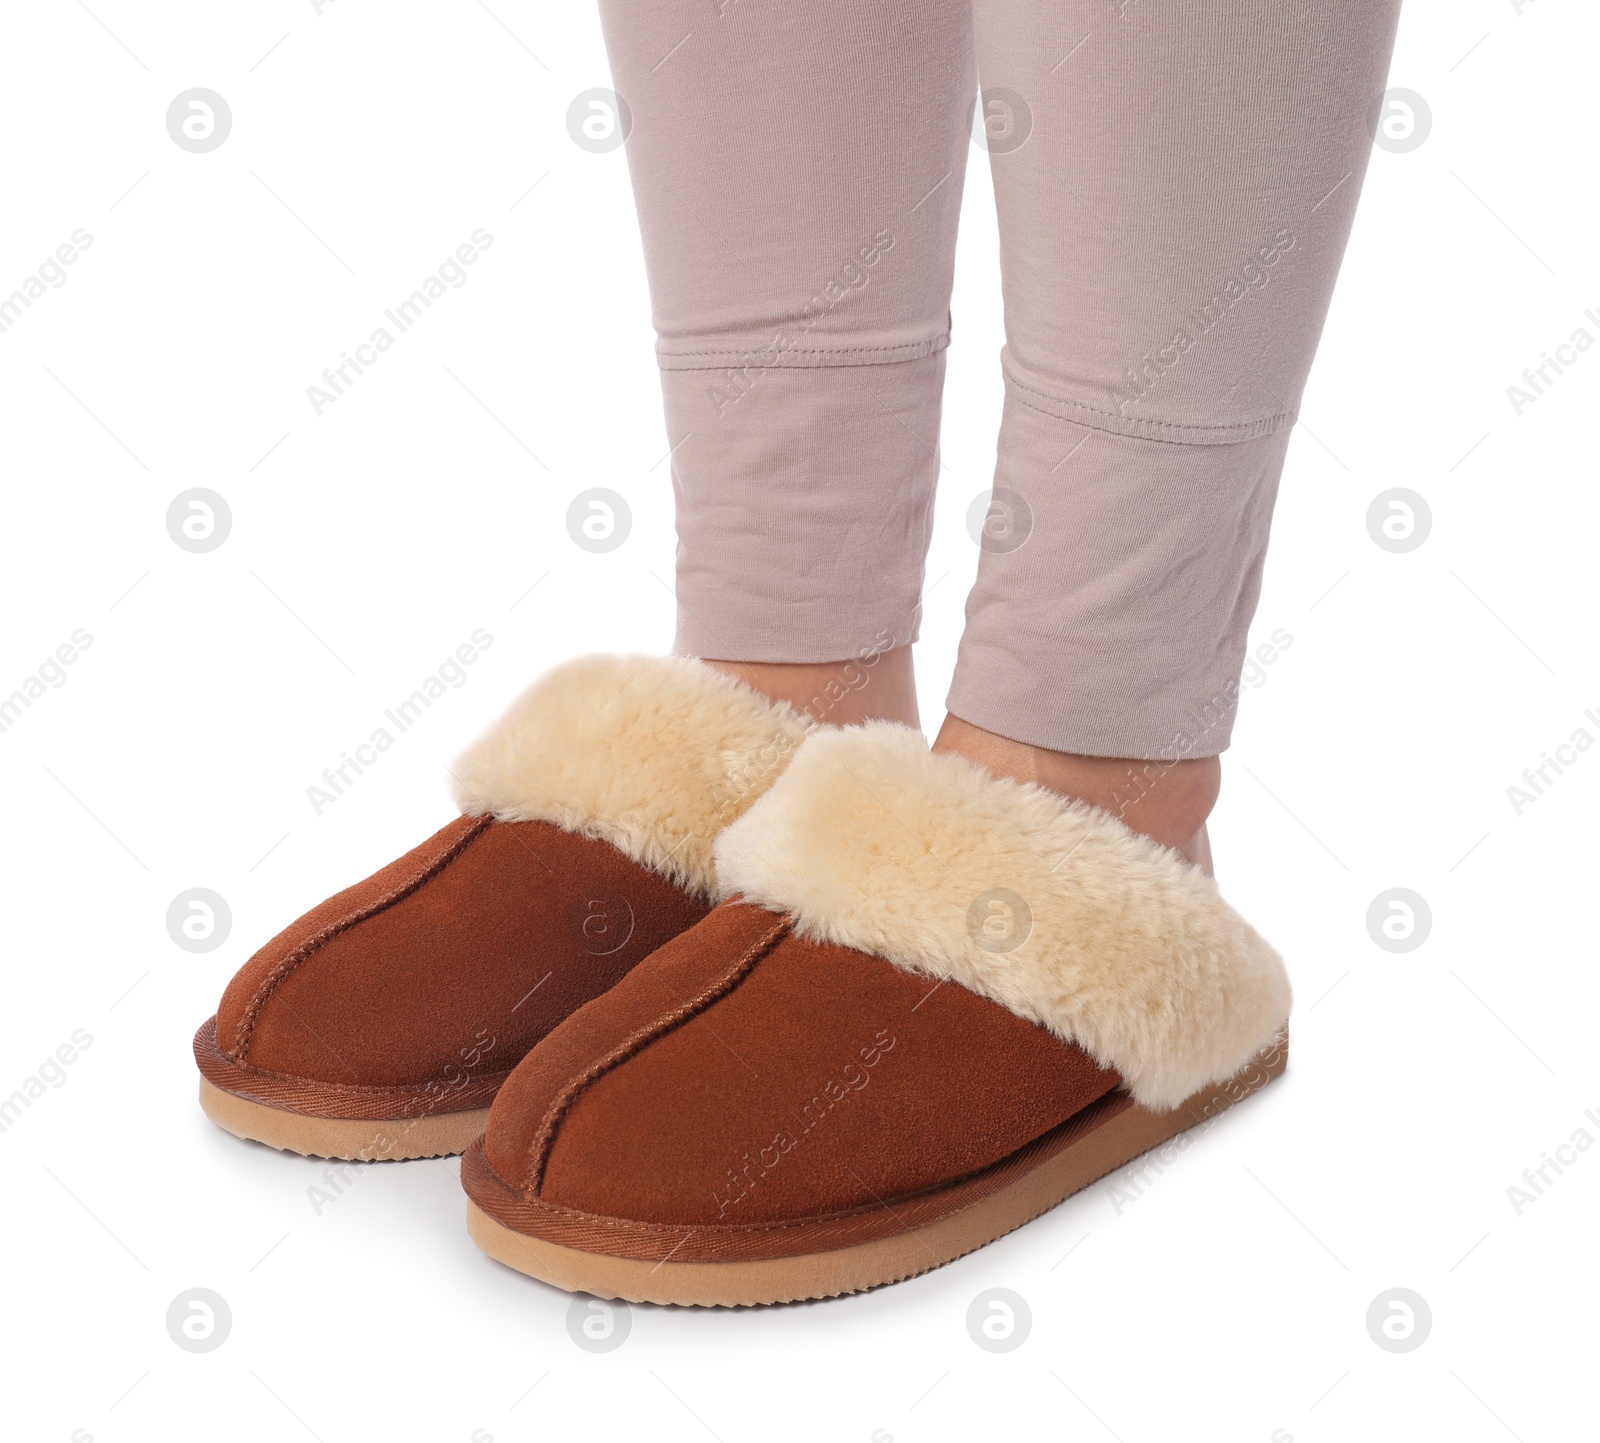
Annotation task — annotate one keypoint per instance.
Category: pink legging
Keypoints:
(1175, 180)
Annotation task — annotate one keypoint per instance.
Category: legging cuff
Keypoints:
(804, 507)
(1115, 590)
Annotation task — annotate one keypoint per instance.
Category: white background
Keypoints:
(1228, 1301)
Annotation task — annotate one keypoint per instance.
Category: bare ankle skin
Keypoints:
(881, 686)
(1168, 801)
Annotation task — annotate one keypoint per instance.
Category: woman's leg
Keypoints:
(798, 173)
(1176, 183)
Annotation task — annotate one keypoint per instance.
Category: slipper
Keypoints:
(383, 1022)
(936, 1004)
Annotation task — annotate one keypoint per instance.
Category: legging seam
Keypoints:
(1140, 428)
(891, 355)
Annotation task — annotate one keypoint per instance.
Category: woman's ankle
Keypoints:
(880, 686)
(1167, 801)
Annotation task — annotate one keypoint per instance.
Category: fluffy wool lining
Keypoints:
(652, 754)
(872, 841)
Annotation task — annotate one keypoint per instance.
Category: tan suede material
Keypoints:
(247, 984)
(459, 956)
(754, 1241)
(460, 1088)
(683, 974)
(815, 1079)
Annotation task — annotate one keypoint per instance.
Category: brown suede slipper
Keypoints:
(382, 1023)
(944, 1003)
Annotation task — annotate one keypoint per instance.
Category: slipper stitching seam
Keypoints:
(274, 979)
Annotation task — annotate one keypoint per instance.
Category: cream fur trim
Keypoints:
(872, 841)
(652, 754)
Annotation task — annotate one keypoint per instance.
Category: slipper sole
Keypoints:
(1106, 1136)
(396, 1139)
(322, 1119)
